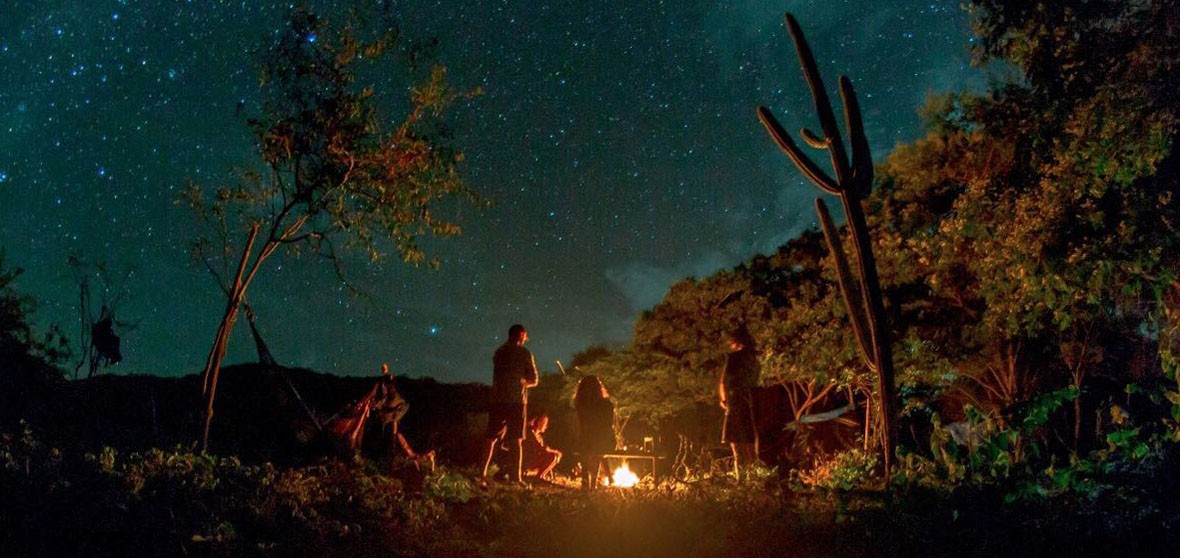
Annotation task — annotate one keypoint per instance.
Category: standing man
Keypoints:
(513, 372)
(738, 380)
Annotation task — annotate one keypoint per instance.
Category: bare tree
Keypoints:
(98, 343)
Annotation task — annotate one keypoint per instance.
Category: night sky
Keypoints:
(617, 139)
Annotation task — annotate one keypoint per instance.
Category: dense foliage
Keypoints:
(1027, 243)
(28, 359)
(20, 344)
(353, 148)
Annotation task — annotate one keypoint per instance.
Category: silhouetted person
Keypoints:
(387, 411)
(596, 434)
(538, 459)
(514, 371)
(740, 376)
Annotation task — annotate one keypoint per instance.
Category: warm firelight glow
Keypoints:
(623, 477)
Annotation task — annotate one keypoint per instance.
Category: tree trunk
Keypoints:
(236, 296)
(221, 340)
(265, 357)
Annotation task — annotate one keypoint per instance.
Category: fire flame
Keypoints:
(623, 477)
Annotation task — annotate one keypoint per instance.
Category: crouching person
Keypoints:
(538, 458)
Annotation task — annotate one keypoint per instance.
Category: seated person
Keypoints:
(537, 458)
(387, 407)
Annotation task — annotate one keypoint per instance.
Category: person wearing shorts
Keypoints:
(514, 371)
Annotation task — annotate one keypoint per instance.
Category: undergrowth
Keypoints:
(178, 502)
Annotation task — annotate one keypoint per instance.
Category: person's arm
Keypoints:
(721, 395)
(530, 377)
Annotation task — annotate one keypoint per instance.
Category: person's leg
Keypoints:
(591, 464)
(553, 457)
(515, 463)
(737, 459)
(744, 436)
(497, 429)
(747, 459)
(492, 443)
(599, 463)
(515, 435)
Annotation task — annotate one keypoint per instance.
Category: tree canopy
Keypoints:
(1026, 243)
(335, 176)
(339, 170)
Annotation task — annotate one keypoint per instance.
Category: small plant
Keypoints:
(979, 451)
(450, 487)
(845, 471)
(1170, 361)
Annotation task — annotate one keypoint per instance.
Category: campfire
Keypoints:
(623, 477)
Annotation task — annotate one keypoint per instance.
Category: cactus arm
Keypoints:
(788, 146)
(862, 156)
(852, 299)
(814, 140)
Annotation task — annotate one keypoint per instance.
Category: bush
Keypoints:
(845, 471)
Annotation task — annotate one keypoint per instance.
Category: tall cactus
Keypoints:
(852, 183)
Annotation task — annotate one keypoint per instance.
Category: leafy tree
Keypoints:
(690, 324)
(334, 176)
(804, 332)
(28, 361)
(677, 350)
(1109, 84)
(589, 356)
(787, 300)
(16, 335)
(1041, 214)
(649, 386)
(1101, 169)
(20, 345)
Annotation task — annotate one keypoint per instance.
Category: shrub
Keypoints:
(845, 471)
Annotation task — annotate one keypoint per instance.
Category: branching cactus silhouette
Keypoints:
(852, 182)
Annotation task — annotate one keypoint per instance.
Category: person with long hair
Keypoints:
(596, 434)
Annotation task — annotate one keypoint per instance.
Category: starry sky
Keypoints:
(616, 138)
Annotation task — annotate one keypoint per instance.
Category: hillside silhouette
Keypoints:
(255, 415)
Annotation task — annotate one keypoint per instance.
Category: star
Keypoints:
(617, 140)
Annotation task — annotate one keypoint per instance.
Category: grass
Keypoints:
(179, 503)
